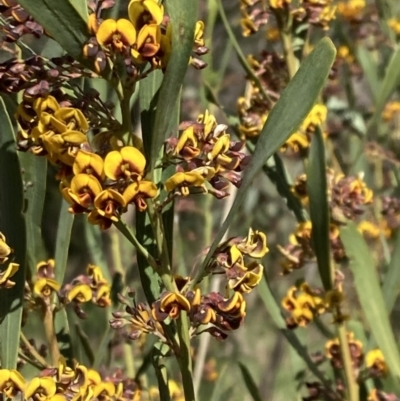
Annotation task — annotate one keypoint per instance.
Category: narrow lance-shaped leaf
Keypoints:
(250, 383)
(34, 175)
(291, 109)
(13, 227)
(319, 209)
(366, 282)
(183, 20)
(63, 22)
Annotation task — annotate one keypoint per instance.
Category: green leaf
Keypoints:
(63, 22)
(183, 19)
(13, 227)
(390, 81)
(85, 343)
(289, 112)
(64, 230)
(391, 281)
(34, 175)
(63, 335)
(366, 282)
(319, 209)
(148, 97)
(370, 69)
(250, 383)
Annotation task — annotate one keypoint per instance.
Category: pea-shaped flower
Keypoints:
(143, 12)
(126, 163)
(119, 34)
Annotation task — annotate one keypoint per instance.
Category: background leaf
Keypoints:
(366, 283)
(319, 209)
(13, 227)
(250, 383)
(183, 20)
(291, 109)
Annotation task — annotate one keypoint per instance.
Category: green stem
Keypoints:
(351, 383)
(32, 350)
(130, 236)
(285, 28)
(184, 357)
(48, 321)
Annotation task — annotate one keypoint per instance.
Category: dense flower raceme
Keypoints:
(206, 157)
(220, 314)
(143, 38)
(90, 287)
(64, 383)
(101, 184)
(256, 14)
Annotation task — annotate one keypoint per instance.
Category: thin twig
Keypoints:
(33, 351)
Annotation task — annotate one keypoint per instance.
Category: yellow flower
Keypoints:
(248, 281)
(11, 382)
(375, 361)
(296, 142)
(139, 192)
(41, 389)
(5, 282)
(79, 293)
(248, 26)
(170, 304)
(45, 106)
(183, 181)
(235, 306)
(148, 42)
(69, 119)
(44, 287)
(83, 191)
(351, 9)
(108, 203)
(254, 245)
(5, 250)
(104, 391)
(279, 3)
(187, 144)
(199, 34)
(126, 163)
(143, 12)
(209, 121)
(88, 163)
(102, 295)
(120, 34)
(394, 24)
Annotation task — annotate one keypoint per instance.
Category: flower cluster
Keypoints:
(48, 129)
(253, 108)
(104, 188)
(221, 314)
(89, 287)
(347, 196)
(143, 38)
(64, 383)
(12, 268)
(207, 158)
(304, 304)
(351, 10)
(254, 16)
(236, 259)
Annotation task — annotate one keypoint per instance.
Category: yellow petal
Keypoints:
(106, 31)
(127, 31)
(80, 293)
(148, 188)
(130, 192)
(88, 163)
(82, 182)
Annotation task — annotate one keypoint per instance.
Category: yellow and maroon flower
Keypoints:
(79, 293)
(41, 388)
(5, 250)
(183, 181)
(138, 192)
(88, 163)
(145, 12)
(170, 304)
(5, 275)
(82, 192)
(375, 362)
(148, 43)
(11, 382)
(108, 204)
(120, 34)
(126, 163)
